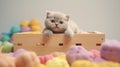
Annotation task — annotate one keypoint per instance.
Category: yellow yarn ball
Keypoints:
(57, 62)
(34, 22)
(24, 23)
(37, 32)
(85, 63)
(80, 63)
(109, 64)
(42, 65)
(62, 57)
(36, 28)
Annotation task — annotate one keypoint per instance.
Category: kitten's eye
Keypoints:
(53, 21)
(61, 22)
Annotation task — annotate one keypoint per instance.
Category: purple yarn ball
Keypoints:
(19, 51)
(25, 29)
(110, 50)
(78, 53)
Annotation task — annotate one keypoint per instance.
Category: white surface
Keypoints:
(91, 15)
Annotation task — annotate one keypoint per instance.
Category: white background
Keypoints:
(90, 15)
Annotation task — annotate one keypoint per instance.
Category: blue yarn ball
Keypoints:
(5, 38)
(6, 34)
(15, 29)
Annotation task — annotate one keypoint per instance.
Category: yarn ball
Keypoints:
(109, 64)
(6, 60)
(45, 58)
(81, 63)
(85, 63)
(62, 57)
(42, 65)
(6, 34)
(34, 22)
(110, 50)
(36, 28)
(7, 47)
(96, 56)
(0, 46)
(0, 43)
(5, 38)
(78, 53)
(18, 52)
(95, 53)
(1, 35)
(15, 29)
(11, 54)
(56, 62)
(24, 23)
(25, 29)
(27, 59)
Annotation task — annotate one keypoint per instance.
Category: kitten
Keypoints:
(57, 22)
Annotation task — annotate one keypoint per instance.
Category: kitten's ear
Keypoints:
(48, 13)
(67, 17)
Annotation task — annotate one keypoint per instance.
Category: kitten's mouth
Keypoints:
(56, 27)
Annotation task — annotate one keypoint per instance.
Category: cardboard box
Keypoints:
(58, 42)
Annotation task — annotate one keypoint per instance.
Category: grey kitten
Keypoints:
(57, 22)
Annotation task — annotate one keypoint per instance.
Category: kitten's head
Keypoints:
(56, 21)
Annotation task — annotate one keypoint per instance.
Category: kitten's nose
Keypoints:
(56, 24)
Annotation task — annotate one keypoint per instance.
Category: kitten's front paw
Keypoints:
(69, 34)
(48, 33)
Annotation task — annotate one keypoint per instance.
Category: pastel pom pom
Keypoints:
(0, 46)
(15, 29)
(7, 47)
(62, 57)
(85, 63)
(109, 64)
(81, 63)
(25, 29)
(57, 62)
(18, 52)
(45, 58)
(24, 23)
(34, 22)
(36, 28)
(96, 53)
(5, 38)
(42, 65)
(78, 53)
(1, 35)
(110, 50)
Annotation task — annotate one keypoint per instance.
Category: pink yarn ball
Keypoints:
(96, 56)
(95, 53)
(25, 29)
(1, 35)
(45, 58)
